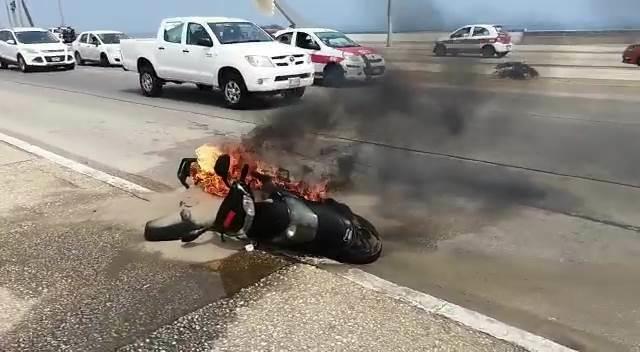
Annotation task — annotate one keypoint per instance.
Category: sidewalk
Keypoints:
(72, 280)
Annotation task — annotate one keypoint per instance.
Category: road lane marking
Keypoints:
(114, 181)
(418, 299)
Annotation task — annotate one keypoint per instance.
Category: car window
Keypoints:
(83, 38)
(37, 37)
(195, 32)
(112, 38)
(4, 36)
(239, 32)
(93, 40)
(480, 31)
(285, 38)
(463, 32)
(305, 41)
(173, 32)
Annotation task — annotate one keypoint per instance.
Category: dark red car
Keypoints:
(632, 55)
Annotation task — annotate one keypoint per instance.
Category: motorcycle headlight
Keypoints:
(30, 51)
(259, 61)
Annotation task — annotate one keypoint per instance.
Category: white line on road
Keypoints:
(470, 318)
(420, 300)
(75, 166)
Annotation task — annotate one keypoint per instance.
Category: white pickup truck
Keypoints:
(233, 55)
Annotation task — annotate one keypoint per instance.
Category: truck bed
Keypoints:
(134, 49)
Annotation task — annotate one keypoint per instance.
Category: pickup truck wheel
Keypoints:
(488, 51)
(234, 90)
(79, 60)
(294, 94)
(104, 60)
(150, 83)
(23, 65)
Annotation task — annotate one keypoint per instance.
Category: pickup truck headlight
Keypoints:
(30, 51)
(259, 61)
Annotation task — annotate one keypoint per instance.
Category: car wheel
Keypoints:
(70, 67)
(79, 60)
(334, 76)
(104, 60)
(204, 87)
(294, 94)
(488, 51)
(440, 50)
(3, 65)
(23, 65)
(150, 84)
(234, 91)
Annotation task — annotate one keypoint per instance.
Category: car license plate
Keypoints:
(55, 59)
(294, 82)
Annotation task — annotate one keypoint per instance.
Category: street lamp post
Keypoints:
(389, 24)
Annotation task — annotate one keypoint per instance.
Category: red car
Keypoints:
(632, 55)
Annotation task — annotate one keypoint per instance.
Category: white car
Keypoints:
(99, 46)
(335, 56)
(486, 39)
(33, 47)
(233, 55)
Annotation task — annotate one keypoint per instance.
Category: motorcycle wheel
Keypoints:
(368, 247)
(172, 227)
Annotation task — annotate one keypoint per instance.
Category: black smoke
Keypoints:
(380, 137)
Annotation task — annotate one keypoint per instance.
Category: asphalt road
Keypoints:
(469, 172)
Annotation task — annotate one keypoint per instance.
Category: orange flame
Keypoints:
(204, 176)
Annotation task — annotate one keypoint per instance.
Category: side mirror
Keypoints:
(205, 42)
(11, 42)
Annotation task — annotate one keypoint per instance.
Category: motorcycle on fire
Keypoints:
(279, 219)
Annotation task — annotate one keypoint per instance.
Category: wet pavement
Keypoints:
(302, 308)
(76, 276)
(71, 283)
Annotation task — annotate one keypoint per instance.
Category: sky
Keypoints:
(143, 16)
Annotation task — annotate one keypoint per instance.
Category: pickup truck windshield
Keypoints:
(36, 37)
(239, 32)
(336, 40)
(112, 38)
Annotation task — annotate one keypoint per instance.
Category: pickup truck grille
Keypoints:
(286, 78)
(288, 60)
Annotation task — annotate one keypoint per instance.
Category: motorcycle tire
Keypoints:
(172, 227)
(370, 244)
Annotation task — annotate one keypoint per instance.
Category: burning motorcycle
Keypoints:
(272, 216)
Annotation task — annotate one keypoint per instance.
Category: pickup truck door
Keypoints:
(199, 54)
(169, 53)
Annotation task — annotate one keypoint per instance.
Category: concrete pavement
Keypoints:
(75, 277)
